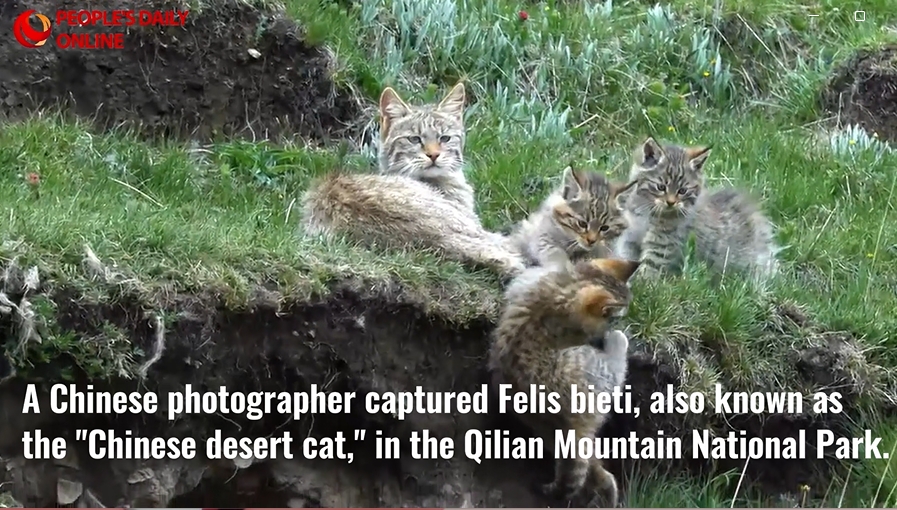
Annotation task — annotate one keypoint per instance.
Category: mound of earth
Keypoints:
(231, 70)
(358, 338)
(863, 91)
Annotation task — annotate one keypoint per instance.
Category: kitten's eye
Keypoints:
(582, 224)
(445, 139)
(603, 229)
(661, 188)
(683, 191)
(414, 139)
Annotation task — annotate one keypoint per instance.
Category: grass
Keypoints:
(576, 81)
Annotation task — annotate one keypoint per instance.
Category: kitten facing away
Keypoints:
(410, 203)
(581, 219)
(669, 202)
(542, 337)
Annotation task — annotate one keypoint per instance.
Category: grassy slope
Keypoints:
(572, 83)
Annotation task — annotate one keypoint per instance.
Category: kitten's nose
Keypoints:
(671, 200)
(590, 238)
(432, 151)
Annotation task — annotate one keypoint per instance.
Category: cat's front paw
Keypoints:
(616, 336)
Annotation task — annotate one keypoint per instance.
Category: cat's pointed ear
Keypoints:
(574, 182)
(649, 153)
(697, 156)
(596, 301)
(621, 269)
(618, 189)
(453, 102)
(391, 107)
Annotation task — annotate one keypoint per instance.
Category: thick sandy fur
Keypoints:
(542, 337)
(395, 212)
(419, 198)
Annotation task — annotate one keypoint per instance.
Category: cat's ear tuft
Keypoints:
(621, 269)
(697, 156)
(574, 182)
(453, 102)
(391, 107)
(649, 153)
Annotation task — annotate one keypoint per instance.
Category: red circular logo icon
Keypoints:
(28, 36)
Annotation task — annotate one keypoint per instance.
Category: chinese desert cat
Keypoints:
(543, 335)
(669, 203)
(420, 197)
(583, 218)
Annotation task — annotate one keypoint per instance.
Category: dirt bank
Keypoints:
(231, 70)
(863, 91)
(350, 340)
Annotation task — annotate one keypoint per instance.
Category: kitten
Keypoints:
(410, 204)
(662, 205)
(583, 218)
(426, 143)
(669, 203)
(542, 337)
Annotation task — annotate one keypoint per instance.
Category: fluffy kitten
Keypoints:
(669, 203)
(426, 143)
(583, 218)
(542, 337)
(411, 203)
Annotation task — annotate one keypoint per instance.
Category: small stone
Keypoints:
(254, 53)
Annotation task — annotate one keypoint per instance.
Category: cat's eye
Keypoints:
(582, 224)
(414, 139)
(604, 228)
(660, 187)
(445, 139)
(683, 191)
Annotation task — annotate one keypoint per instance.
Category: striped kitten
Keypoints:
(669, 203)
(583, 218)
(542, 337)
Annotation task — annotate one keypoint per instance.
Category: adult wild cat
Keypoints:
(550, 316)
(669, 203)
(581, 219)
(420, 196)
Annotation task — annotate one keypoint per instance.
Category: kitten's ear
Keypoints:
(596, 301)
(697, 156)
(453, 102)
(617, 190)
(620, 188)
(649, 153)
(391, 107)
(621, 269)
(574, 182)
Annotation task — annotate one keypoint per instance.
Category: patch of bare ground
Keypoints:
(863, 91)
(231, 70)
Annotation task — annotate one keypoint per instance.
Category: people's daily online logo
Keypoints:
(26, 34)
(24, 27)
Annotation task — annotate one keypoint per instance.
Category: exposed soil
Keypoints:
(200, 80)
(864, 91)
(347, 342)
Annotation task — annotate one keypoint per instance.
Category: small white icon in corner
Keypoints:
(859, 15)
